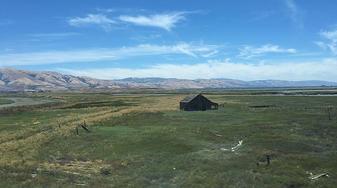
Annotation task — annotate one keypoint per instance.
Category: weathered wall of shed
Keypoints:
(199, 103)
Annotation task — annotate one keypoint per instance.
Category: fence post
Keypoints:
(268, 160)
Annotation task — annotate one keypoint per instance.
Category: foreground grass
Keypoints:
(152, 144)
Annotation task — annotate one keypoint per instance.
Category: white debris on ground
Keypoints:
(36, 123)
(233, 148)
(315, 177)
(237, 146)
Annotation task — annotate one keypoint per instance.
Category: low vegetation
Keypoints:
(143, 140)
(5, 101)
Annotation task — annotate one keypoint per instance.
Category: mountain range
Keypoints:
(22, 80)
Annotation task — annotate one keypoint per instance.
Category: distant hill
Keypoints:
(21, 80)
(18, 80)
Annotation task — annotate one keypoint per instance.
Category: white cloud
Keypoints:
(330, 41)
(320, 70)
(164, 21)
(295, 13)
(210, 54)
(93, 19)
(92, 55)
(330, 35)
(248, 52)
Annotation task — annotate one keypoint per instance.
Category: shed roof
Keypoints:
(189, 98)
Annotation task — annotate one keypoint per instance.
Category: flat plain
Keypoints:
(142, 139)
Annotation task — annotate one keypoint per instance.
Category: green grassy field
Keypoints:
(143, 140)
(5, 101)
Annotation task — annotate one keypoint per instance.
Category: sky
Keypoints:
(189, 39)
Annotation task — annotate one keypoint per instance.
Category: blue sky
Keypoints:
(239, 39)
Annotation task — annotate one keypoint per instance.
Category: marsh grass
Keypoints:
(153, 144)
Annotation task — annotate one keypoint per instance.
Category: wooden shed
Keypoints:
(197, 103)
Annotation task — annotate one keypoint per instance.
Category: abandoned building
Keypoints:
(197, 103)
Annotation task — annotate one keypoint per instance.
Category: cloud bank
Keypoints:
(320, 70)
